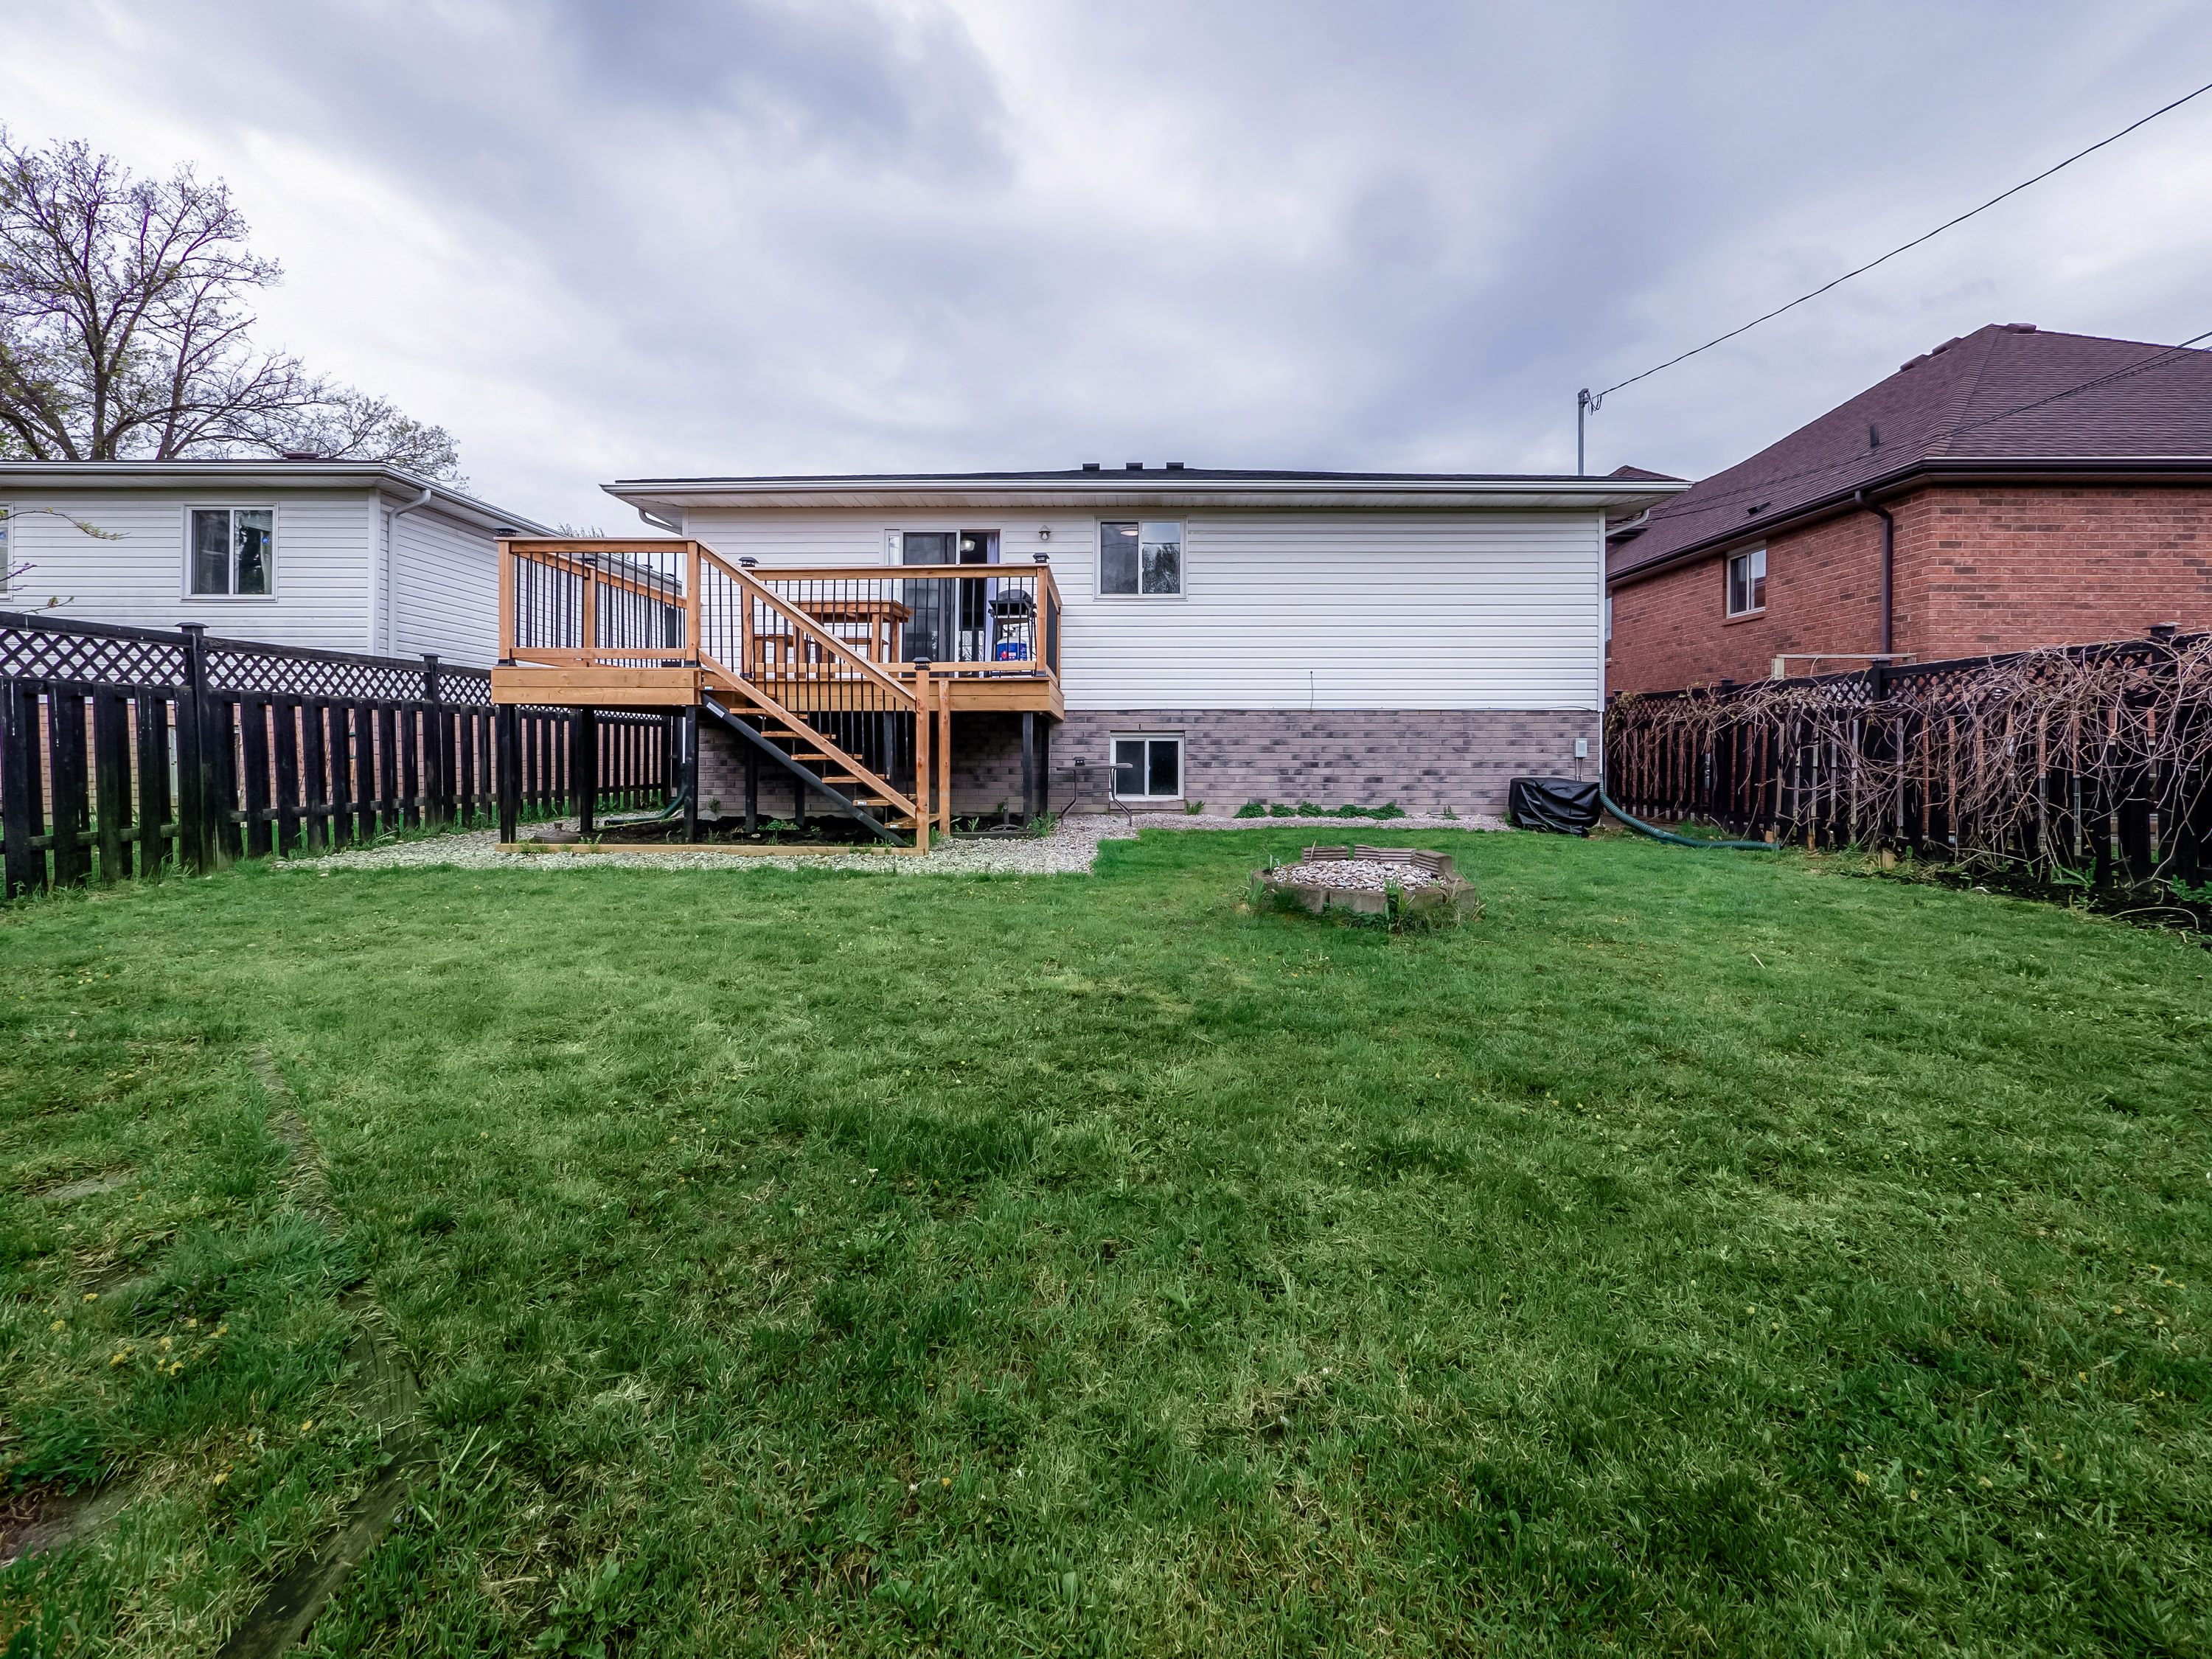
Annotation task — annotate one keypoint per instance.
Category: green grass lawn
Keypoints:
(1702, 1253)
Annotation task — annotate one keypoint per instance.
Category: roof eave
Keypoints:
(1124, 490)
(261, 475)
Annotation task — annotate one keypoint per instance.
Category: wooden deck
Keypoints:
(597, 686)
(847, 677)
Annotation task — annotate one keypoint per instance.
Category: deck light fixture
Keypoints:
(1041, 558)
(1044, 532)
(747, 560)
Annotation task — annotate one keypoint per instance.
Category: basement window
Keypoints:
(1147, 766)
(1747, 582)
(233, 552)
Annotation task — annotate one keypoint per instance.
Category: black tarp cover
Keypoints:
(1565, 804)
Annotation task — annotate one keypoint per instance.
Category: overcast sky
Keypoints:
(600, 241)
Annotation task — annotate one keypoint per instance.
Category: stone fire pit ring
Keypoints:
(1369, 881)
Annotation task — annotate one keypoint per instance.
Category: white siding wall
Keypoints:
(1346, 609)
(322, 563)
(445, 590)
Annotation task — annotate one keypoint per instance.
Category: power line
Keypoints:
(1592, 402)
(1762, 485)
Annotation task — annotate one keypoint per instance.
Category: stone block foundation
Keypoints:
(1422, 759)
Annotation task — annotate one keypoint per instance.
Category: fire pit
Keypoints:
(1393, 882)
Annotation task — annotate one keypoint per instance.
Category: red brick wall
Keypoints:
(2005, 569)
(1823, 593)
(1979, 570)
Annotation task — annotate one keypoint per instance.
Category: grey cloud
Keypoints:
(848, 235)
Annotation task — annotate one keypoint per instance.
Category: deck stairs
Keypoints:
(811, 757)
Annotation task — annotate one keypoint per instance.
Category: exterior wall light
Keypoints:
(1044, 532)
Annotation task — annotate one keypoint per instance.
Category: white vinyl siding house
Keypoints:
(1292, 610)
(356, 557)
(1327, 636)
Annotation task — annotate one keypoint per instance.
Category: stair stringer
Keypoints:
(799, 769)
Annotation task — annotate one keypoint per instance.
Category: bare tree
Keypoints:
(123, 330)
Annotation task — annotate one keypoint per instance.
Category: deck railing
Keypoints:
(610, 603)
(598, 602)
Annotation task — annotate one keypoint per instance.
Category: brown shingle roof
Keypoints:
(2008, 391)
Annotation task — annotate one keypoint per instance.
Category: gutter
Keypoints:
(2108, 469)
(391, 617)
(1888, 569)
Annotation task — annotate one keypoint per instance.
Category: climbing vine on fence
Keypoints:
(2070, 762)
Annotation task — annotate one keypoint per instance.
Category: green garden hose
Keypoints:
(1669, 835)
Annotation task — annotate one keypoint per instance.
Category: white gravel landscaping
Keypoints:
(1072, 848)
(1369, 875)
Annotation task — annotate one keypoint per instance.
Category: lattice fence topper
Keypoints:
(2026, 754)
(234, 668)
(37, 649)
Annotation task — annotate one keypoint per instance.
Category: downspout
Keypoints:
(1888, 571)
(390, 560)
(672, 527)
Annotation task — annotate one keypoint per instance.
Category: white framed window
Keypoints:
(230, 552)
(1747, 581)
(6, 513)
(1140, 560)
(1147, 766)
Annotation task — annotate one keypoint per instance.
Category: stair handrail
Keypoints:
(790, 612)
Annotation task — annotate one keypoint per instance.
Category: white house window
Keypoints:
(1140, 560)
(3, 549)
(1147, 767)
(234, 551)
(1747, 582)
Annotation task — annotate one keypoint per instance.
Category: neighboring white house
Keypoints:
(1335, 637)
(335, 555)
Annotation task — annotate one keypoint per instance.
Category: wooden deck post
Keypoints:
(922, 764)
(584, 767)
(689, 763)
(944, 757)
(691, 612)
(505, 604)
(753, 789)
(506, 769)
(1029, 765)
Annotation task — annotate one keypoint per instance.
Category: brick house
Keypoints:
(2011, 488)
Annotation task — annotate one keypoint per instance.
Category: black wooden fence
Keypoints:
(2090, 764)
(127, 751)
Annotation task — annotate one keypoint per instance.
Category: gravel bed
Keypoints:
(1371, 874)
(1071, 848)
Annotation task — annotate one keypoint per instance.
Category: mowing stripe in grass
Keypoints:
(382, 1385)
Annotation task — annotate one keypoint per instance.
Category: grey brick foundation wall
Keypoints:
(1422, 758)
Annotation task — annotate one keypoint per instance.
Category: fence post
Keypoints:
(437, 802)
(22, 869)
(196, 807)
